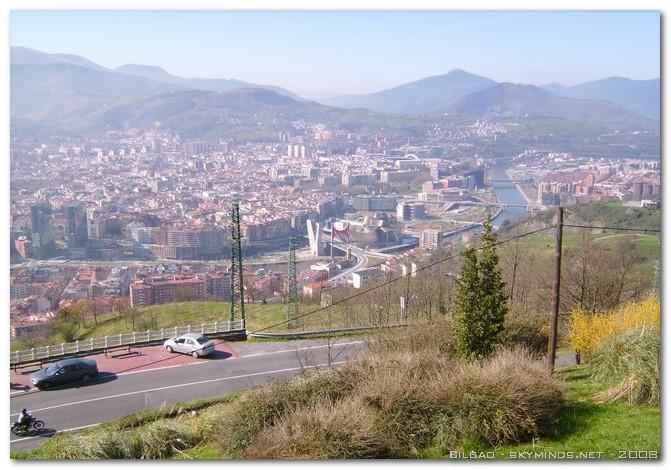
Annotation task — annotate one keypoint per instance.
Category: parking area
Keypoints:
(122, 361)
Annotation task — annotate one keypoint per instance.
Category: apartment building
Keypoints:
(167, 289)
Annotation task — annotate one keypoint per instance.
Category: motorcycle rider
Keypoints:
(25, 417)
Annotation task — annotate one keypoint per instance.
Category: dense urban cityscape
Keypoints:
(145, 215)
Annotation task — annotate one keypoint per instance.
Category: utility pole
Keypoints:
(237, 286)
(552, 341)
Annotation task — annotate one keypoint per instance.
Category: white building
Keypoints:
(363, 277)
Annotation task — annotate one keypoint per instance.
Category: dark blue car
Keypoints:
(64, 371)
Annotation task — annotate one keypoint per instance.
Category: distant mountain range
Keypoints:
(420, 97)
(453, 91)
(75, 94)
(641, 96)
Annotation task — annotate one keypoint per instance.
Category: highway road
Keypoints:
(362, 255)
(112, 396)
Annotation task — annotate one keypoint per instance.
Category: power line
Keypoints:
(358, 294)
(615, 228)
(456, 255)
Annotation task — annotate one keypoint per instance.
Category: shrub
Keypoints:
(395, 404)
(261, 407)
(437, 337)
(526, 330)
(397, 388)
(157, 440)
(507, 399)
(632, 358)
(326, 430)
(589, 329)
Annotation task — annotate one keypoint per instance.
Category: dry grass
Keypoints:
(507, 399)
(408, 395)
(632, 358)
(325, 430)
(394, 404)
(261, 407)
(161, 439)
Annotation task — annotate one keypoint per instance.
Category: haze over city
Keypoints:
(325, 53)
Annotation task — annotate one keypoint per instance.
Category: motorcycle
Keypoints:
(32, 425)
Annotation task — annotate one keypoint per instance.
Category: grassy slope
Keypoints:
(605, 430)
(587, 426)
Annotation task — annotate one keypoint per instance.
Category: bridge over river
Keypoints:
(503, 205)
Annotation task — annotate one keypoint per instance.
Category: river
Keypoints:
(507, 193)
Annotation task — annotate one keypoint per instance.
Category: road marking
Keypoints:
(158, 389)
(303, 349)
(35, 390)
(178, 386)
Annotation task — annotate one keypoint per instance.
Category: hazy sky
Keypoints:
(352, 51)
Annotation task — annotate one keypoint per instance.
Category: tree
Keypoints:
(120, 305)
(131, 314)
(513, 257)
(89, 307)
(597, 279)
(250, 288)
(125, 311)
(185, 294)
(66, 324)
(481, 302)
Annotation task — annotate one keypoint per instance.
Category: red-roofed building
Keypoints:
(314, 288)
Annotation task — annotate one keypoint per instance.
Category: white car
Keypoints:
(190, 343)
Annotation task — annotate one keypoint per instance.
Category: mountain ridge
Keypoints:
(26, 56)
(519, 100)
(67, 91)
(641, 96)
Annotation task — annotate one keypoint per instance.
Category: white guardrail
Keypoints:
(127, 339)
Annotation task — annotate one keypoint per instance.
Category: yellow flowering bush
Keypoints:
(587, 330)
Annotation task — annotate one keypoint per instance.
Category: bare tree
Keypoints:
(185, 294)
(125, 311)
(512, 256)
(597, 279)
(327, 323)
(250, 288)
(89, 307)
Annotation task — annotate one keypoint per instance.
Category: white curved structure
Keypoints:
(315, 239)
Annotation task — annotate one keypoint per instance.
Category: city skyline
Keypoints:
(327, 53)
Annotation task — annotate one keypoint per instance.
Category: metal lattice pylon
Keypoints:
(237, 286)
(292, 286)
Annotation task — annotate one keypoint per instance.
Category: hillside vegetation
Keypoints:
(409, 398)
(601, 271)
(604, 214)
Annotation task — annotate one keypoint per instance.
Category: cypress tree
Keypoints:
(481, 300)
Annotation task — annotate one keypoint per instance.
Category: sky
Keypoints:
(317, 53)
